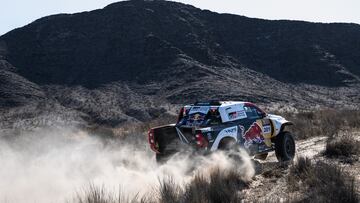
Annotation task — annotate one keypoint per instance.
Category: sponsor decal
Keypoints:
(266, 129)
(230, 130)
(237, 115)
(253, 135)
(195, 119)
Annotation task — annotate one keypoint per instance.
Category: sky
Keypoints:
(17, 13)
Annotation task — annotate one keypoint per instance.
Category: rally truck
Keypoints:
(224, 125)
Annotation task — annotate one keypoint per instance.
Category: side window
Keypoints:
(213, 118)
(252, 112)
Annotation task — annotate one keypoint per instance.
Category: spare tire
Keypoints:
(284, 146)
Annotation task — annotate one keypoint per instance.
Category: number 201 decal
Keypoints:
(267, 129)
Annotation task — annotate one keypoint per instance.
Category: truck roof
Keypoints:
(229, 110)
(217, 103)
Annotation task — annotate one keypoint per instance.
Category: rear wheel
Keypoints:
(231, 150)
(284, 146)
(227, 144)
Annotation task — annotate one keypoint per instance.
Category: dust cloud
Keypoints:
(51, 165)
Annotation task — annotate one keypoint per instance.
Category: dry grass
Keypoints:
(219, 186)
(222, 187)
(321, 182)
(169, 191)
(99, 194)
(326, 122)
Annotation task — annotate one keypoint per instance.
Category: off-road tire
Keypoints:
(284, 146)
(231, 149)
(227, 144)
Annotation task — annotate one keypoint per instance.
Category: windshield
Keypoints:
(253, 112)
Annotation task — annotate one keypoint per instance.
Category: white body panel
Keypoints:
(235, 109)
(278, 122)
(227, 132)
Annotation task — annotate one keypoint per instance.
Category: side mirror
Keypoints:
(264, 115)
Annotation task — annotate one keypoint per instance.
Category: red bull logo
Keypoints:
(253, 134)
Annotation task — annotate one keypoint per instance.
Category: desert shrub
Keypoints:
(321, 182)
(301, 167)
(306, 124)
(169, 191)
(197, 190)
(298, 172)
(342, 147)
(220, 186)
(223, 186)
(331, 122)
(352, 118)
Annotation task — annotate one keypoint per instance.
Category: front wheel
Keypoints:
(284, 146)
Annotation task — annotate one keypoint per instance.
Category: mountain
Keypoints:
(133, 60)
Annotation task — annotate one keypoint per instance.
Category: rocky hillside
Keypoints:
(132, 60)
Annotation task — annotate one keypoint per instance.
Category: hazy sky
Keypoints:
(17, 13)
